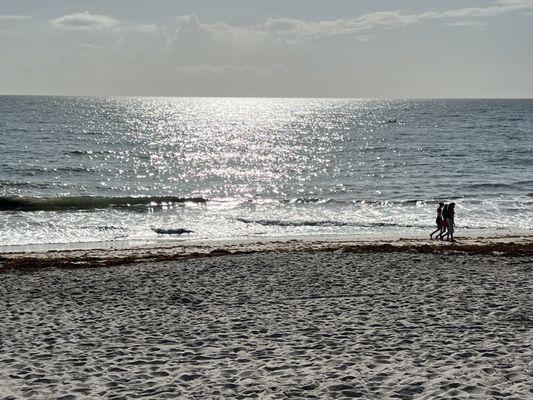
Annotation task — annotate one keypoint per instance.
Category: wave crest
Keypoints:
(325, 223)
(88, 202)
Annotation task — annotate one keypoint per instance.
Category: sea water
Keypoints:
(89, 169)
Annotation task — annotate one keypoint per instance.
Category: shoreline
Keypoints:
(112, 253)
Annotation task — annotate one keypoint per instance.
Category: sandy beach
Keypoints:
(271, 325)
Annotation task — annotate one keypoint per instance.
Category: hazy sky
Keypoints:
(333, 48)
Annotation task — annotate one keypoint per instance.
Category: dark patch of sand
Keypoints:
(106, 257)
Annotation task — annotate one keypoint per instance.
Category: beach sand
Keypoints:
(271, 325)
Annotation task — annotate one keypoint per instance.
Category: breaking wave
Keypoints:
(324, 223)
(88, 202)
(319, 200)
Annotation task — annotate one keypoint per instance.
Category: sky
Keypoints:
(268, 48)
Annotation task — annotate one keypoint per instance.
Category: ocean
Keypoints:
(142, 169)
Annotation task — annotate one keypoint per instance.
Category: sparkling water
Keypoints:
(87, 169)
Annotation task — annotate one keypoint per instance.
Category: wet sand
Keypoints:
(336, 322)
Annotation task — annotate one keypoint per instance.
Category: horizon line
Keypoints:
(268, 97)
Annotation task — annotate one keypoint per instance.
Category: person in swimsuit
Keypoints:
(440, 225)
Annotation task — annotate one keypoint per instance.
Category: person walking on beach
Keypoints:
(444, 215)
(439, 221)
(450, 223)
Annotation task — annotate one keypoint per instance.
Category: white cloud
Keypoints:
(293, 30)
(85, 21)
(521, 3)
(498, 8)
(189, 23)
(190, 26)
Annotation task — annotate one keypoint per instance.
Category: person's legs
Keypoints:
(449, 235)
(442, 231)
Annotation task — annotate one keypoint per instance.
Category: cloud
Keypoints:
(520, 3)
(387, 20)
(15, 17)
(294, 30)
(191, 26)
(498, 8)
(474, 24)
(189, 23)
(84, 21)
